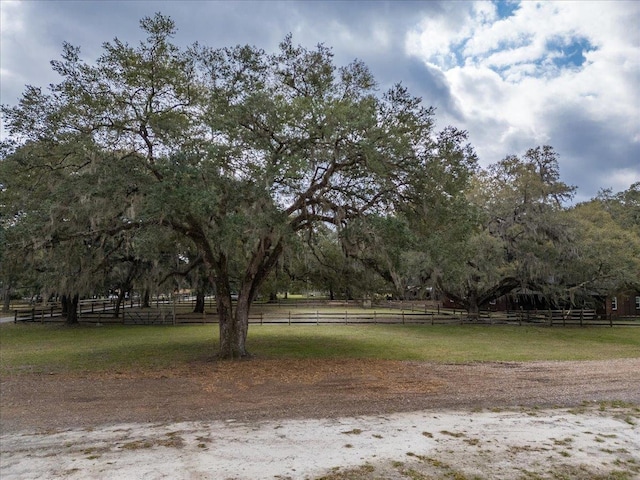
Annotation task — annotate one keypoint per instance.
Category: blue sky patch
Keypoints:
(569, 54)
(506, 8)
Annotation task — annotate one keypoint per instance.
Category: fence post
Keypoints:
(289, 317)
(346, 316)
(15, 316)
(317, 319)
(33, 314)
(581, 316)
(403, 317)
(261, 318)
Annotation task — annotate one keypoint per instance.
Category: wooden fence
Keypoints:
(553, 318)
(52, 312)
(346, 313)
(43, 313)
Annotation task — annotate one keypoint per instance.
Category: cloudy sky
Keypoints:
(514, 74)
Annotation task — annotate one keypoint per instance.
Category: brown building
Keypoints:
(624, 304)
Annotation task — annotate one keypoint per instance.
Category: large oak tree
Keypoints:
(234, 149)
(511, 232)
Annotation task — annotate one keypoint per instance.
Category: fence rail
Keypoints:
(169, 313)
(376, 317)
(42, 314)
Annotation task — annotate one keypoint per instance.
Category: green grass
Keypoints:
(40, 348)
(445, 343)
(46, 348)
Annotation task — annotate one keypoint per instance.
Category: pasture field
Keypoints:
(26, 348)
(373, 401)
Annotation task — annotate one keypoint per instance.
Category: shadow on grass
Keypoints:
(41, 348)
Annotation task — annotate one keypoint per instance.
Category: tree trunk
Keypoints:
(70, 308)
(6, 298)
(398, 285)
(199, 308)
(241, 321)
(119, 300)
(227, 325)
(146, 299)
(234, 325)
(231, 343)
(473, 309)
(347, 294)
(234, 328)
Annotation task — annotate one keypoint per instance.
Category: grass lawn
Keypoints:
(44, 348)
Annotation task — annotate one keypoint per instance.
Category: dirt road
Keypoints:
(356, 419)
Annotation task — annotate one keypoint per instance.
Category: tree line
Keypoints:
(245, 173)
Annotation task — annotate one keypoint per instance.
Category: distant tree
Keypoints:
(516, 231)
(623, 206)
(8, 271)
(46, 206)
(429, 215)
(384, 245)
(603, 256)
(323, 265)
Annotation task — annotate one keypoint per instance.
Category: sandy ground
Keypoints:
(596, 441)
(330, 419)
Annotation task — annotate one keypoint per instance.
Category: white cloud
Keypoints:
(11, 18)
(502, 79)
(436, 37)
(22, 53)
(377, 38)
(620, 179)
(508, 79)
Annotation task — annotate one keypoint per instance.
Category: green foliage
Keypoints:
(515, 231)
(324, 262)
(604, 254)
(234, 150)
(429, 214)
(624, 206)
